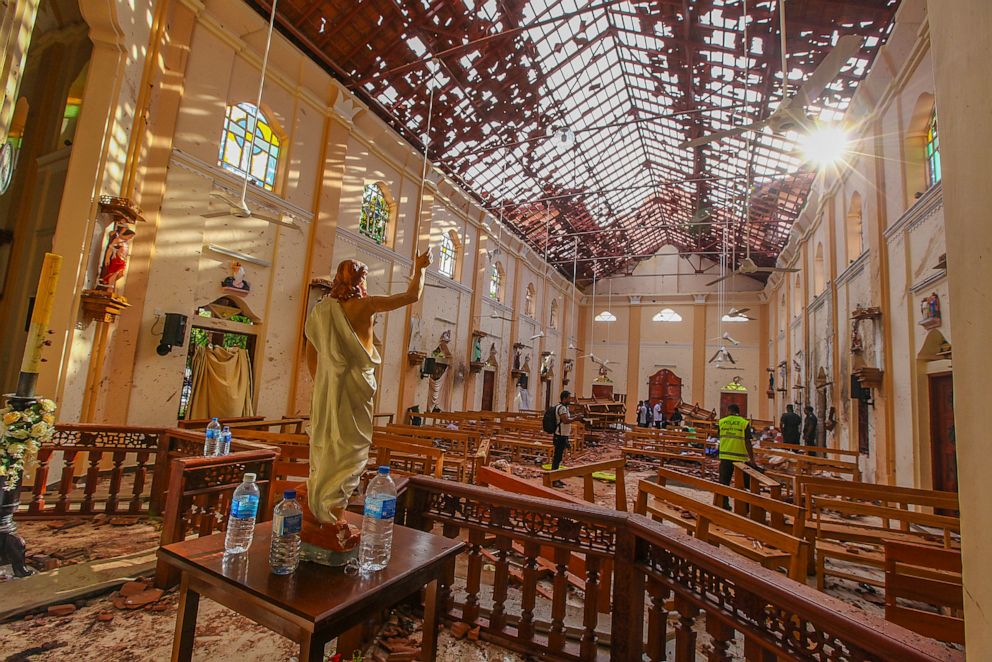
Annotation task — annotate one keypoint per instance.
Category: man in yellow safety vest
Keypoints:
(735, 444)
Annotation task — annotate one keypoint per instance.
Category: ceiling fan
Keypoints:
(539, 334)
(239, 207)
(791, 113)
(722, 355)
(740, 313)
(748, 267)
(726, 336)
(494, 316)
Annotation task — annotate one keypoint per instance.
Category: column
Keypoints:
(633, 358)
(959, 40)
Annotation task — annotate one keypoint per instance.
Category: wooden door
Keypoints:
(488, 389)
(666, 387)
(942, 443)
(728, 398)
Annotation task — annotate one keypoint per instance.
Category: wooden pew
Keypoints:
(406, 456)
(464, 450)
(841, 453)
(769, 511)
(768, 546)
(705, 463)
(919, 573)
(200, 423)
(863, 545)
(586, 471)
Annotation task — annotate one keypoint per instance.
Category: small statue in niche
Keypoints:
(547, 366)
(492, 356)
(933, 304)
(771, 380)
(857, 344)
(442, 351)
(930, 311)
(236, 281)
(115, 256)
(477, 349)
(526, 366)
(566, 371)
(516, 359)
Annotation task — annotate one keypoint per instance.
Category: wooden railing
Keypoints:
(99, 457)
(749, 612)
(109, 469)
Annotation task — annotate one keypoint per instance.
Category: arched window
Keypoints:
(666, 315)
(375, 213)
(819, 277)
(606, 316)
(529, 296)
(250, 145)
(932, 151)
(855, 229)
(554, 314)
(496, 282)
(448, 254)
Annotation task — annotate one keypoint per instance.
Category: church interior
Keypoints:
(646, 219)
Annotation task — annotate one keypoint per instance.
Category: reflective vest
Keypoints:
(732, 445)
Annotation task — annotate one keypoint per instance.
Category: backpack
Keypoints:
(550, 422)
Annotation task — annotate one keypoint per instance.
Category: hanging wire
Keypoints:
(258, 102)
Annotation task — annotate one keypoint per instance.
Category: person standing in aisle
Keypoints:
(562, 433)
(642, 414)
(659, 415)
(790, 423)
(735, 445)
(809, 427)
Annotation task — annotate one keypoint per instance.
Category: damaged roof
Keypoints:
(565, 118)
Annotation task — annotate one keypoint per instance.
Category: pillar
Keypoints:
(699, 350)
(633, 358)
(959, 40)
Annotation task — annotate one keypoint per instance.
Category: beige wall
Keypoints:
(332, 147)
(901, 239)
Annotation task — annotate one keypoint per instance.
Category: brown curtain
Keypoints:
(221, 383)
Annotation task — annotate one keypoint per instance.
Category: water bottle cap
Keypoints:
(227, 428)
(214, 418)
(289, 494)
(383, 471)
(249, 478)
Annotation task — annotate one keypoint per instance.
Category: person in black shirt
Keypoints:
(809, 427)
(790, 424)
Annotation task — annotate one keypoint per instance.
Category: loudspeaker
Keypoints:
(173, 333)
(857, 391)
(428, 368)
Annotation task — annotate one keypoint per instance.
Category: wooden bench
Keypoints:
(705, 463)
(407, 455)
(841, 453)
(200, 423)
(921, 574)
(768, 546)
(862, 544)
(464, 451)
(586, 471)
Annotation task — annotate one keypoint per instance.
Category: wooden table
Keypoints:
(316, 603)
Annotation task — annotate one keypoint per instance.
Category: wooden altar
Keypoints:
(666, 387)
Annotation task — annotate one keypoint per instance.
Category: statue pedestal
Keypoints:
(327, 544)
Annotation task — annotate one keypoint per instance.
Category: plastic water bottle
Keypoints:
(377, 526)
(212, 438)
(287, 521)
(224, 445)
(241, 522)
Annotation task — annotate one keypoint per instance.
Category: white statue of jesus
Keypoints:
(342, 360)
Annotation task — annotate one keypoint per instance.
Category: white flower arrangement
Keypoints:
(22, 432)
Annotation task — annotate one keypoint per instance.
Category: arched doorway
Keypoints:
(937, 415)
(734, 393)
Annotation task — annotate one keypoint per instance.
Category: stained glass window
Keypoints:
(375, 213)
(933, 152)
(496, 282)
(237, 153)
(446, 261)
